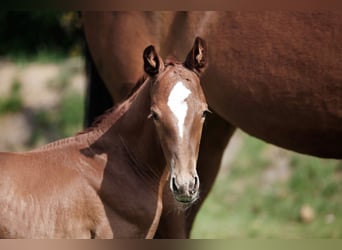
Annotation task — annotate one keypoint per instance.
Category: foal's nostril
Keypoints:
(174, 186)
(196, 182)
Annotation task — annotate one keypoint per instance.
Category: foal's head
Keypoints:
(178, 109)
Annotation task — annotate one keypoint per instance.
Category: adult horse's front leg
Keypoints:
(215, 137)
(172, 224)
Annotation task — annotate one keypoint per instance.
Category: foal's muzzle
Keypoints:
(185, 190)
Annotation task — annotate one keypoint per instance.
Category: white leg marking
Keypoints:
(178, 105)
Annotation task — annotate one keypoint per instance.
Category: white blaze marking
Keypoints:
(178, 105)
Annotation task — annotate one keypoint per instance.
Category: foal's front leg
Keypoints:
(102, 231)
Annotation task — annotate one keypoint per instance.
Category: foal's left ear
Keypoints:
(153, 64)
(197, 57)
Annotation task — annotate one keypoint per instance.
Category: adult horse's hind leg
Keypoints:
(98, 99)
(215, 137)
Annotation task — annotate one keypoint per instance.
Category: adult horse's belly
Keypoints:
(278, 76)
(304, 120)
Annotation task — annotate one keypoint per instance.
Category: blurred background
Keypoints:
(42, 80)
(262, 191)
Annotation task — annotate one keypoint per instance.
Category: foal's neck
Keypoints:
(128, 128)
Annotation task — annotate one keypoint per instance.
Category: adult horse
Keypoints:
(276, 75)
(108, 180)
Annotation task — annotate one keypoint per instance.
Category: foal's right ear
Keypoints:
(153, 64)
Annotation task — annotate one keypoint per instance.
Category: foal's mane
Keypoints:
(115, 113)
(112, 115)
(118, 110)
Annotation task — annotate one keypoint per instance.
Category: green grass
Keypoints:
(60, 122)
(13, 102)
(70, 114)
(241, 205)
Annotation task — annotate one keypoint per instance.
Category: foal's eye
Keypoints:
(154, 116)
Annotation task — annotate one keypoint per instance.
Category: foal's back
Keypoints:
(43, 195)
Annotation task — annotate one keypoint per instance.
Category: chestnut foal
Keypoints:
(108, 180)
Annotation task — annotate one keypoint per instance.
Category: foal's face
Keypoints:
(178, 109)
